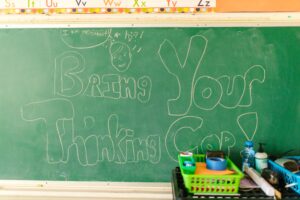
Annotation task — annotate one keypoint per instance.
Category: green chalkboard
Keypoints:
(118, 104)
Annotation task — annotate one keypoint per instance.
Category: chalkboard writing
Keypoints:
(119, 104)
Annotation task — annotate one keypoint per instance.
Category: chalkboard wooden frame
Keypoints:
(171, 43)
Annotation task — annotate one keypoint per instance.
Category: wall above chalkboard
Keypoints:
(144, 6)
(105, 6)
(119, 104)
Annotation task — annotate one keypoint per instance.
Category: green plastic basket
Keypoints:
(211, 184)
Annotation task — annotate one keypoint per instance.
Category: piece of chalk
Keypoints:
(290, 185)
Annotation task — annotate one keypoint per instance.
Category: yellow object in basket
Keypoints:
(201, 169)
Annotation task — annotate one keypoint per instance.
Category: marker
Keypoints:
(264, 185)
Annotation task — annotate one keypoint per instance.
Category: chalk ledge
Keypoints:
(54, 190)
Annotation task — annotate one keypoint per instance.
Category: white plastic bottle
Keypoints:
(261, 159)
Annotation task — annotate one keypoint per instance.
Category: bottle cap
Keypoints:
(248, 144)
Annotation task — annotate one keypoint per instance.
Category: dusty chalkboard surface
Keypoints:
(118, 104)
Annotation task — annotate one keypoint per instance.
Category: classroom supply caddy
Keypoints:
(287, 176)
(210, 184)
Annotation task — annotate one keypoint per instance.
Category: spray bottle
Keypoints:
(248, 155)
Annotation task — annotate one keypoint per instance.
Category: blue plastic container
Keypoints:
(286, 175)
